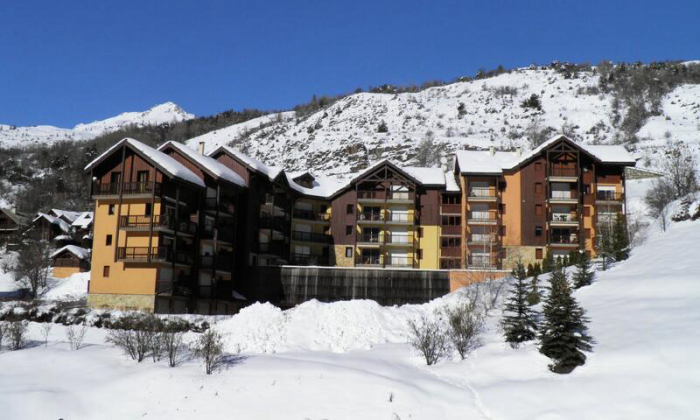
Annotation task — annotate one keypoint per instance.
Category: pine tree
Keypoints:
(533, 298)
(620, 241)
(583, 276)
(530, 270)
(605, 246)
(519, 322)
(574, 257)
(563, 337)
(538, 270)
(548, 262)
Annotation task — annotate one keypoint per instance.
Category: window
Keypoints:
(348, 230)
(420, 232)
(348, 252)
(110, 209)
(502, 186)
(420, 254)
(538, 166)
(502, 208)
(538, 230)
(503, 230)
(148, 210)
(538, 210)
(538, 188)
(105, 271)
(349, 209)
(451, 220)
(586, 211)
(538, 253)
(451, 199)
(324, 208)
(450, 242)
(587, 189)
(108, 240)
(587, 233)
(142, 177)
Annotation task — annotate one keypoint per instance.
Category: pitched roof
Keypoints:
(79, 252)
(18, 219)
(252, 164)
(483, 162)
(165, 163)
(322, 186)
(84, 220)
(62, 224)
(68, 216)
(209, 165)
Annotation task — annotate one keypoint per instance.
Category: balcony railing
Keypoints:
(156, 254)
(127, 188)
(368, 260)
(398, 239)
(370, 217)
(570, 239)
(399, 262)
(563, 217)
(273, 248)
(482, 261)
(159, 222)
(398, 217)
(482, 192)
(214, 204)
(453, 251)
(608, 196)
(221, 262)
(370, 195)
(390, 195)
(309, 259)
(401, 195)
(372, 238)
(310, 215)
(563, 195)
(451, 209)
(478, 238)
(482, 216)
(451, 229)
(565, 172)
(275, 223)
(311, 237)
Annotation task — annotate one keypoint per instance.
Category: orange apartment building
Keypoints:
(178, 231)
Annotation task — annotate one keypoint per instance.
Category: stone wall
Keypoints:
(340, 259)
(526, 254)
(144, 303)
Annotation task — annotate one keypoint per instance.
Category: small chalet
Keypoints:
(69, 260)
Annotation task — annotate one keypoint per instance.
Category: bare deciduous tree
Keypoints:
(466, 325)
(17, 334)
(681, 169)
(75, 336)
(173, 344)
(429, 337)
(210, 348)
(658, 197)
(45, 331)
(33, 263)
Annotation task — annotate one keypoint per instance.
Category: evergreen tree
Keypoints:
(533, 298)
(519, 322)
(548, 262)
(584, 275)
(538, 270)
(620, 240)
(530, 270)
(574, 257)
(605, 246)
(563, 337)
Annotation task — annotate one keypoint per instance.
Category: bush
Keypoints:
(173, 345)
(210, 348)
(75, 336)
(3, 329)
(17, 334)
(532, 102)
(134, 335)
(429, 337)
(382, 128)
(466, 325)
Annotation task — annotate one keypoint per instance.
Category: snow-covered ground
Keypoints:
(349, 360)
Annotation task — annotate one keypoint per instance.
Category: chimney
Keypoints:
(519, 151)
(492, 150)
(200, 149)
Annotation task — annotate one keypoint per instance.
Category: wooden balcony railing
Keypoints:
(159, 222)
(127, 188)
(223, 205)
(482, 192)
(451, 229)
(453, 251)
(311, 215)
(482, 261)
(274, 223)
(273, 248)
(398, 217)
(563, 194)
(567, 172)
(309, 259)
(608, 196)
(220, 262)
(451, 209)
(368, 260)
(372, 238)
(570, 239)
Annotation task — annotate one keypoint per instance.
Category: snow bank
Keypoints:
(70, 288)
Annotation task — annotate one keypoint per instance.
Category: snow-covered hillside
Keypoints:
(11, 136)
(344, 137)
(349, 360)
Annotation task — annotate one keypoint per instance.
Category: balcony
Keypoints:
(482, 261)
(368, 239)
(221, 262)
(223, 233)
(453, 251)
(157, 254)
(565, 240)
(609, 197)
(482, 218)
(310, 215)
(481, 194)
(273, 248)
(451, 230)
(400, 263)
(368, 260)
(563, 197)
(160, 223)
(370, 218)
(401, 197)
(398, 240)
(455, 209)
(309, 259)
(481, 239)
(311, 237)
(212, 204)
(142, 189)
(398, 218)
(274, 223)
(378, 196)
(563, 219)
(558, 174)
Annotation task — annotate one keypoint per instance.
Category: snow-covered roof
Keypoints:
(63, 238)
(451, 184)
(165, 163)
(208, 164)
(17, 218)
(322, 186)
(84, 220)
(271, 171)
(79, 252)
(65, 227)
(426, 176)
(69, 216)
(483, 162)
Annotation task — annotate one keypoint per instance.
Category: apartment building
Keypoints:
(178, 231)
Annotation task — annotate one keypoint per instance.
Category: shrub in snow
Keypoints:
(33, 263)
(583, 275)
(171, 339)
(45, 331)
(533, 296)
(210, 348)
(132, 336)
(16, 332)
(3, 329)
(490, 291)
(430, 338)
(466, 324)
(75, 336)
(564, 334)
(519, 321)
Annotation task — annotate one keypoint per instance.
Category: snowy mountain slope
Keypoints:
(344, 137)
(349, 360)
(11, 136)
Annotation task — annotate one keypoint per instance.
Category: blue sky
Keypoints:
(62, 63)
